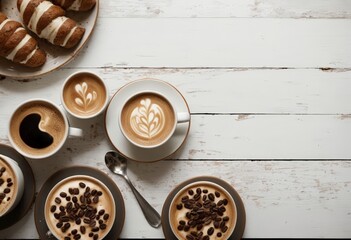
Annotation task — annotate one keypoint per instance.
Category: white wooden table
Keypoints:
(269, 87)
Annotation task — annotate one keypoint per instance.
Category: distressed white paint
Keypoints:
(228, 58)
(229, 9)
(252, 91)
(219, 42)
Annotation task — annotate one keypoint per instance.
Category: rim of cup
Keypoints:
(95, 77)
(170, 133)
(99, 183)
(41, 156)
(198, 183)
(20, 180)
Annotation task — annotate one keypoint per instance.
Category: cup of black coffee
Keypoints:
(38, 128)
(11, 185)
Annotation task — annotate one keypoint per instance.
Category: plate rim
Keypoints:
(136, 82)
(73, 54)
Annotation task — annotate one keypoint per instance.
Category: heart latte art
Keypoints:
(147, 119)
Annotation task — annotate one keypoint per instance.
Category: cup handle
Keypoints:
(75, 132)
(183, 117)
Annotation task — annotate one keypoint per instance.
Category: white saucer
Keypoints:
(122, 144)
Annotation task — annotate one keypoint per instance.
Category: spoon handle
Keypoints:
(151, 215)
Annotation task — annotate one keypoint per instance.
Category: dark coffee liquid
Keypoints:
(32, 135)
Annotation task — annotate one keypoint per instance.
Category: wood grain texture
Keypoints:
(312, 197)
(232, 91)
(219, 43)
(227, 9)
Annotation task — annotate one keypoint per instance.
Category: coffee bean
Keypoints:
(78, 221)
(198, 190)
(67, 225)
(226, 219)
(86, 220)
(190, 237)
(64, 218)
(62, 208)
(83, 206)
(222, 224)
(222, 209)
(59, 224)
(68, 198)
(53, 208)
(82, 185)
(210, 231)
(91, 234)
(67, 238)
(190, 192)
(101, 212)
(69, 206)
(1, 181)
(8, 199)
(93, 192)
(224, 229)
(63, 194)
(193, 233)
(206, 237)
(57, 216)
(199, 227)
(95, 229)
(76, 237)
(181, 222)
(103, 226)
(70, 190)
(219, 234)
(74, 199)
(2, 169)
(217, 194)
(96, 237)
(101, 222)
(185, 199)
(211, 196)
(57, 200)
(7, 190)
(9, 184)
(82, 229)
(186, 228)
(180, 227)
(96, 199)
(197, 196)
(216, 224)
(92, 224)
(87, 189)
(76, 191)
(63, 229)
(205, 191)
(106, 216)
(88, 201)
(225, 202)
(74, 231)
(99, 193)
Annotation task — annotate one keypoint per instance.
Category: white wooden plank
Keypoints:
(224, 8)
(220, 42)
(241, 137)
(257, 91)
(276, 195)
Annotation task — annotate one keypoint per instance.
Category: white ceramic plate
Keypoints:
(122, 144)
(56, 56)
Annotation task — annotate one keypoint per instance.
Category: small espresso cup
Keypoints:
(39, 128)
(148, 119)
(84, 95)
(11, 185)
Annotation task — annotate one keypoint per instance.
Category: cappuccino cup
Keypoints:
(148, 119)
(79, 207)
(38, 128)
(84, 95)
(11, 185)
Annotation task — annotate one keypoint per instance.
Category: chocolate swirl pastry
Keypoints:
(75, 5)
(17, 45)
(48, 22)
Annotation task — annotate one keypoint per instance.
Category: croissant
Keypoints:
(75, 5)
(17, 45)
(48, 21)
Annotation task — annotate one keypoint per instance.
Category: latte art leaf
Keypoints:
(85, 98)
(148, 119)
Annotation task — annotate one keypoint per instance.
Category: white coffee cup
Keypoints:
(12, 171)
(148, 119)
(38, 128)
(84, 95)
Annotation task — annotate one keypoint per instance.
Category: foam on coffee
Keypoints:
(84, 94)
(8, 186)
(37, 122)
(64, 206)
(147, 119)
(190, 201)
